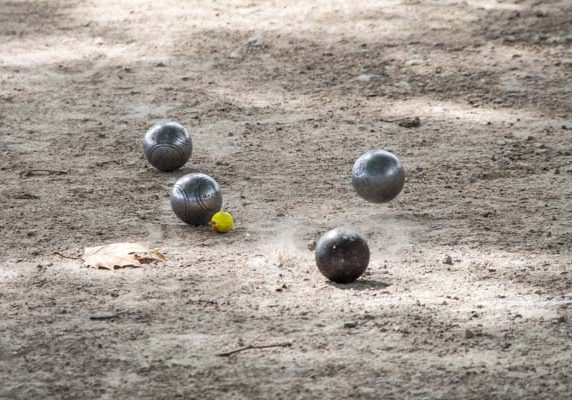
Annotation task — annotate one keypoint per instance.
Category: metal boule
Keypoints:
(378, 176)
(195, 198)
(342, 255)
(167, 145)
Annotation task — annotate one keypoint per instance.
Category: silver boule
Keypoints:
(195, 198)
(167, 146)
(378, 176)
(342, 255)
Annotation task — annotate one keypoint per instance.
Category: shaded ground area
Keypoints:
(468, 293)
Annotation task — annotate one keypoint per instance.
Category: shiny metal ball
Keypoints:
(378, 176)
(167, 146)
(195, 198)
(342, 255)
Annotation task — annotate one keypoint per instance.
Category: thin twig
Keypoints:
(69, 257)
(107, 317)
(251, 347)
(103, 317)
(36, 172)
(407, 122)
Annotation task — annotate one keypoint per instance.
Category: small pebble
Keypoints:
(368, 77)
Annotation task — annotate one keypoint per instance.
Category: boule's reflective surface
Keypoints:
(195, 198)
(342, 255)
(378, 176)
(167, 146)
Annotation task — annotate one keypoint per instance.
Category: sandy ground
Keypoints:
(469, 290)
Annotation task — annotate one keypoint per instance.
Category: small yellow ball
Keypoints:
(222, 222)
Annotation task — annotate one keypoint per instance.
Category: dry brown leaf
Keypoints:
(157, 255)
(120, 255)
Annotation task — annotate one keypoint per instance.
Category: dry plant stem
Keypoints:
(103, 317)
(36, 172)
(268, 346)
(68, 257)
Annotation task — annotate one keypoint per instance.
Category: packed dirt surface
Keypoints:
(468, 294)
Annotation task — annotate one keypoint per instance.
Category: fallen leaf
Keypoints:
(120, 255)
(157, 255)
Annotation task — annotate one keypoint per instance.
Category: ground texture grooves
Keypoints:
(468, 293)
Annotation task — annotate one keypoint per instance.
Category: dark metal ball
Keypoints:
(167, 146)
(378, 176)
(342, 255)
(195, 198)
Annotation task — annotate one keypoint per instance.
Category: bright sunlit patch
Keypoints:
(494, 5)
(451, 110)
(57, 51)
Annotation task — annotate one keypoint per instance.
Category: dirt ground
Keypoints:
(468, 294)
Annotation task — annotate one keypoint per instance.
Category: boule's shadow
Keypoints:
(174, 175)
(180, 172)
(361, 284)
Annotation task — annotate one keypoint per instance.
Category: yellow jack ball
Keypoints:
(222, 222)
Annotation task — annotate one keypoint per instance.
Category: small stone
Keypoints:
(368, 77)
(404, 85)
(350, 325)
(410, 122)
(509, 39)
(254, 43)
(559, 39)
(282, 288)
(469, 334)
(448, 260)
(235, 55)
